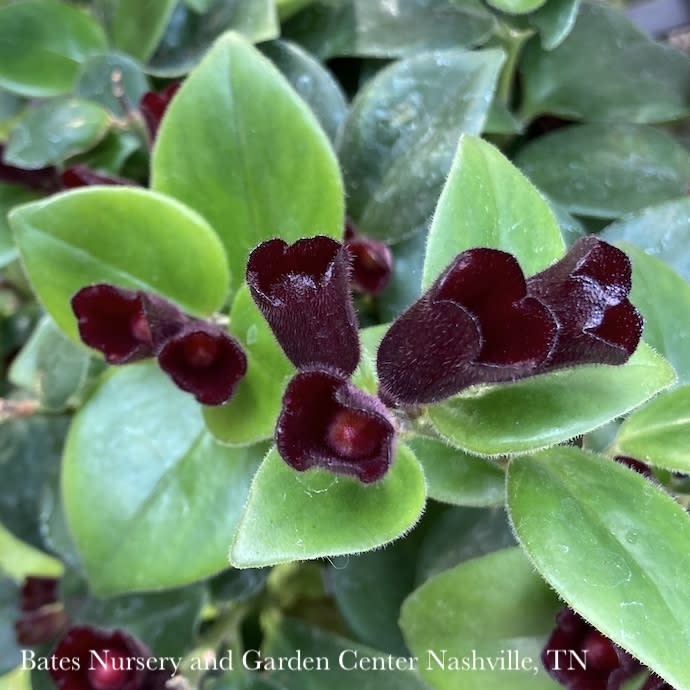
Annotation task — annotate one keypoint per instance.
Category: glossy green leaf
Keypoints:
(293, 516)
(126, 236)
(135, 27)
(10, 196)
(113, 80)
(286, 8)
(11, 107)
(171, 493)
(458, 478)
(606, 70)
(397, 144)
(663, 297)
(662, 230)
(493, 608)
(613, 545)
(554, 21)
(516, 6)
(487, 202)
(500, 120)
(42, 44)
(544, 410)
(239, 132)
(251, 414)
(54, 131)
(372, 28)
(189, 34)
(659, 432)
(340, 658)
(607, 170)
(312, 81)
(236, 586)
(18, 559)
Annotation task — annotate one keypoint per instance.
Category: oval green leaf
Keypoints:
(229, 147)
(554, 21)
(293, 516)
(54, 131)
(396, 145)
(129, 237)
(137, 462)
(494, 606)
(605, 171)
(516, 6)
(251, 414)
(488, 202)
(659, 432)
(42, 44)
(613, 545)
(544, 410)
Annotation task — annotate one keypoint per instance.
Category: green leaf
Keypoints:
(606, 70)
(554, 21)
(544, 410)
(663, 297)
(613, 545)
(18, 559)
(135, 27)
(126, 236)
(457, 478)
(397, 143)
(312, 81)
(42, 44)
(662, 230)
(286, 8)
(368, 28)
(239, 132)
(659, 432)
(54, 131)
(298, 516)
(516, 6)
(171, 493)
(11, 107)
(500, 120)
(489, 608)
(251, 414)
(10, 196)
(113, 80)
(605, 171)
(10, 654)
(487, 202)
(189, 35)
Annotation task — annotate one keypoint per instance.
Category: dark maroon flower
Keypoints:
(637, 465)
(124, 325)
(587, 290)
(326, 422)
(203, 359)
(656, 683)
(575, 644)
(372, 265)
(153, 106)
(303, 291)
(38, 591)
(41, 179)
(83, 176)
(102, 658)
(476, 324)
(42, 614)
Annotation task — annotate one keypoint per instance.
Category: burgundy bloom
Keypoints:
(203, 359)
(114, 649)
(303, 291)
(372, 265)
(587, 290)
(42, 614)
(153, 106)
(83, 176)
(606, 665)
(476, 324)
(123, 324)
(38, 591)
(637, 465)
(326, 422)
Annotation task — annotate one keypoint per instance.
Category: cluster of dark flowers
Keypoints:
(481, 322)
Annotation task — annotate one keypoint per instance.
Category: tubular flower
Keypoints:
(372, 262)
(42, 614)
(154, 104)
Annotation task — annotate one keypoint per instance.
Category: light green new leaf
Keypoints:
(42, 44)
(495, 607)
(544, 410)
(605, 171)
(659, 432)
(230, 146)
(54, 131)
(293, 515)
(516, 6)
(122, 235)
(488, 202)
(397, 144)
(613, 545)
(172, 493)
(554, 21)
(251, 414)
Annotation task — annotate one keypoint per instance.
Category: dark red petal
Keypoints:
(303, 291)
(204, 360)
(38, 591)
(41, 625)
(83, 176)
(636, 465)
(372, 265)
(654, 682)
(326, 422)
(153, 106)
